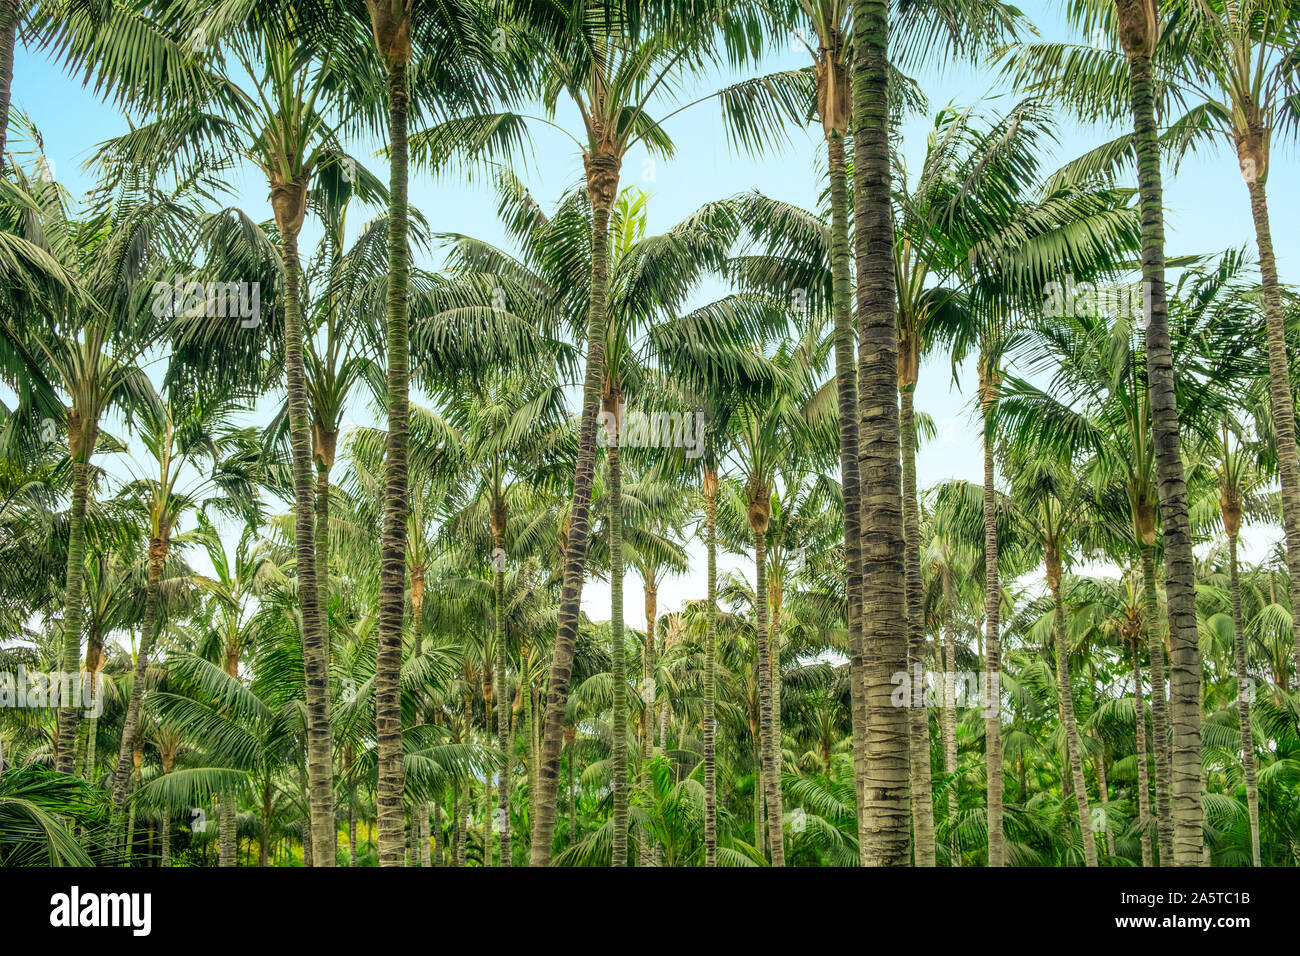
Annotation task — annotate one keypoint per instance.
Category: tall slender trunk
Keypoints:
(94, 663)
(1280, 396)
(618, 649)
(846, 388)
(1143, 781)
(227, 834)
(710, 669)
(950, 739)
(288, 201)
(767, 725)
(1159, 720)
(503, 699)
(649, 665)
(1073, 748)
(10, 15)
(72, 607)
(918, 713)
(992, 702)
(1180, 576)
(602, 187)
(131, 722)
(886, 817)
(392, 561)
(1244, 693)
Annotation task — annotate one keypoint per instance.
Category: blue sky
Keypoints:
(1206, 211)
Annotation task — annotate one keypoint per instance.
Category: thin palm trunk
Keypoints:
(288, 200)
(992, 702)
(126, 762)
(846, 387)
(767, 725)
(1144, 783)
(1244, 691)
(618, 650)
(72, 607)
(503, 700)
(1074, 750)
(1280, 397)
(392, 561)
(710, 667)
(950, 739)
(649, 664)
(10, 15)
(1159, 718)
(1139, 29)
(918, 713)
(886, 818)
(602, 188)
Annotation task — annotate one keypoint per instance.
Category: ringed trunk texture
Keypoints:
(72, 608)
(768, 743)
(503, 700)
(950, 738)
(602, 188)
(710, 671)
(992, 702)
(1144, 782)
(1159, 719)
(618, 650)
(289, 203)
(9, 17)
(918, 713)
(126, 761)
(1280, 397)
(1180, 581)
(392, 560)
(846, 387)
(886, 818)
(1074, 750)
(1244, 692)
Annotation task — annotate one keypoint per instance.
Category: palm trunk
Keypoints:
(767, 724)
(1073, 748)
(710, 666)
(1159, 720)
(1180, 577)
(992, 702)
(846, 386)
(287, 201)
(918, 714)
(602, 188)
(227, 849)
(1144, 783)
(886, 817)
(10, 15)
(1244, 691)
(94, 662)
(392, 567)
(1280, 396)
(503, 699)
(72, 613)
(131, 722)
(618, 650)
(648, 667)
(950, 739)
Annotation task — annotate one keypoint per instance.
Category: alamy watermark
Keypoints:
(34, 690)
(655, 430)
(923, 689)
(1083, 299)
(213, 300)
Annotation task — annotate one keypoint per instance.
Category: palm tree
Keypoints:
(87, 346)
(179, 439)
(1239, 477)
